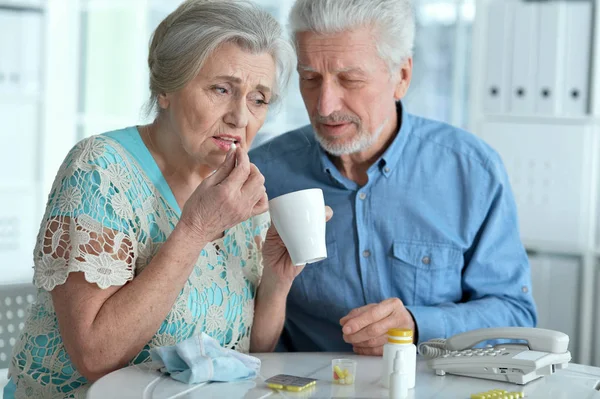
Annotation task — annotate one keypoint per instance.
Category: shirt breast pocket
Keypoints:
(427, 273)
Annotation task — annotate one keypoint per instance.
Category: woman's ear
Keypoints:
(403, 79)
(163, 101)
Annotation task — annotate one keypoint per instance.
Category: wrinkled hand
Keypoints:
(278, 266)
(366, 327)
(229, 196)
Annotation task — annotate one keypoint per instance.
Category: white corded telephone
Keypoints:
(545, 351)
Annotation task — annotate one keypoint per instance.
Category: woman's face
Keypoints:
(226, 103)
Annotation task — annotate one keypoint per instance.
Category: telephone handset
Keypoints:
(544, 352)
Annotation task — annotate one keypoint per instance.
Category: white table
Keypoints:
(3, 381)
(575, 382)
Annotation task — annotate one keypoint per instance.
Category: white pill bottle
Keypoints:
(400, 339)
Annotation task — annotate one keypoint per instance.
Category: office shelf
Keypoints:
(551, 248)
(532, 118)
(535, 97)
(23, 5)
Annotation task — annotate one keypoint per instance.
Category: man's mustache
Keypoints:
(338, 117)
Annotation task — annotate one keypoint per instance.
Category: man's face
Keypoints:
(347, 88)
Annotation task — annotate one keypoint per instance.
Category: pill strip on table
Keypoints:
(498, 394)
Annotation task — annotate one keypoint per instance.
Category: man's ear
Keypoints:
(403, 78)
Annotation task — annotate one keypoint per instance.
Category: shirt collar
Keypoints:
(332, 171)
(390, 158)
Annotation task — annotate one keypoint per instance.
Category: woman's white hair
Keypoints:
(184, 40)
(392, 20)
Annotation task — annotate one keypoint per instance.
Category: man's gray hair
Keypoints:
(185, 39)
(392, 20)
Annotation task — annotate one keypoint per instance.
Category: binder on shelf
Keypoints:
(551, 46)
(497, 57)
(524, 59)
(575, 90)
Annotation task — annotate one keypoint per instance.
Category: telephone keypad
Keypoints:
(478, 352)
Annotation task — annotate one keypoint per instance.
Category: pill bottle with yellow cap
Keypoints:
(399, 339)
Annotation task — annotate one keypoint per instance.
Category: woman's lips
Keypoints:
(224, 144)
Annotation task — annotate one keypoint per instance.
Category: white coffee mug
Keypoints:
(299, 218)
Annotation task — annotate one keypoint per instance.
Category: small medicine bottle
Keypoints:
(398, 380)
(400, 339)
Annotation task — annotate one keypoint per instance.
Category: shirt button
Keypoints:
(525, 289)
(426, 260)
(366, 253)
(362, 196)
(386, 169)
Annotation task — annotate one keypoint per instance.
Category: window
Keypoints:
(114, 45)
(440, 85)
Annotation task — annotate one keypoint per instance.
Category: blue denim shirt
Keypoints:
(436, 226)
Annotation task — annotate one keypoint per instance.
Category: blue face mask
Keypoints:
(201, 359)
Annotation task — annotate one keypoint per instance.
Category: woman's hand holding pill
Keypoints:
(232, 194)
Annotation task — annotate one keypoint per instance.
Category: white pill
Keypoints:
(233, 146)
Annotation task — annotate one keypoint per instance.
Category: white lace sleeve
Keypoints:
(89, 221)
(260, 226)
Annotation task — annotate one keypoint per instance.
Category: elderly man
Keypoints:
(425, 233)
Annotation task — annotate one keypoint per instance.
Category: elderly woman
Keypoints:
(155, 233)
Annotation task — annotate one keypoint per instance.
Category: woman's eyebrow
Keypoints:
(235, 79)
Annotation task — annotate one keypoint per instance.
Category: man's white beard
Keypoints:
(361, 142)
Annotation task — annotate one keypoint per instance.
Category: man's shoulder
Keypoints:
(295, 143)
(455, 142)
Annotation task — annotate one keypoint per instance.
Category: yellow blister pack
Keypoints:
(290, 382)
